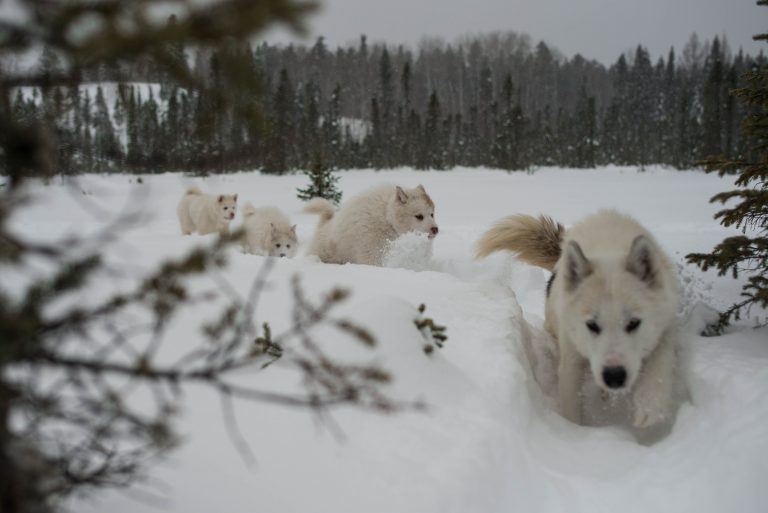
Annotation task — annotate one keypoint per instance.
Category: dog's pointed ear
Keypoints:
(421, 188)
(402, 197)
(293, 229)
(221, 198)
(577, 267)
(641, 261)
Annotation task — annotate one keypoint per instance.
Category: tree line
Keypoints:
(495, 100)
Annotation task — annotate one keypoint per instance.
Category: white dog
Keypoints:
(268, 232)
(360, 231)
(205, 213)
(611, 304)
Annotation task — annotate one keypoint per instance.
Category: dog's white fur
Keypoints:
(268, 232)
(360, 231)
(205, 213)
(609, 274)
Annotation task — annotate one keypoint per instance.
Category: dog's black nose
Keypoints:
(282, 254)
(434, 230)
(614, 377)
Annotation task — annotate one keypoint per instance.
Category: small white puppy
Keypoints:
(268, 232)
(205, 213)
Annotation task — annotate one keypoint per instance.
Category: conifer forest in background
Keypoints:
(495, 100)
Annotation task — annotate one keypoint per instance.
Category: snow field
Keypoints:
(488, 441)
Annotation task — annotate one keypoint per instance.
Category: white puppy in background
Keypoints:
(205, 213)
(268, 232)
(361, 230)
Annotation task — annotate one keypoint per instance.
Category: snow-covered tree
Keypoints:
(748, 204)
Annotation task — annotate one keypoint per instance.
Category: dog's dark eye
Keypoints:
(632, 325)
(594, 327)
(420, 217)
(432, 215)
(277, 245)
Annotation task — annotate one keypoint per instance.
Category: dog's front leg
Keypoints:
(570, 370)
(654, 391)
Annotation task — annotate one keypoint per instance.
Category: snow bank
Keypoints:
(488, 441)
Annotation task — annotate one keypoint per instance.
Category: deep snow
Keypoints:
(488, 441)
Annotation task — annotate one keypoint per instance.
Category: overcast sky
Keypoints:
(597, 29)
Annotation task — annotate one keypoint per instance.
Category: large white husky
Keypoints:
(611, 304)
(360, 231)
(268, 232)
(205, 213)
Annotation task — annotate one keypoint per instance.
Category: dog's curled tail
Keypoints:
(248, 210)
(194, 190)
(321, 207)
(534, 240)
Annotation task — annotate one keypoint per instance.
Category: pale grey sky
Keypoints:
(599, 29)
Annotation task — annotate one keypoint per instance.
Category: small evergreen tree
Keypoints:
(747, 252)
(322, 182)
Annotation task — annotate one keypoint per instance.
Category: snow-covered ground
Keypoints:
(488, 442)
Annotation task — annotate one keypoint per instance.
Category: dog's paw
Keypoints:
(651, 408)
(647, 418)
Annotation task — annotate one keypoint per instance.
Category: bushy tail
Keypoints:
(535, 241)
(195, 191)
(321, 207)
(248, 210)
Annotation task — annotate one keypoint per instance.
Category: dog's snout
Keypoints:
(282, 254)
(614, 377)
(434, 230)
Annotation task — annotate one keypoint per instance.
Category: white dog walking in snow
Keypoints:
(268, 232)
(360, 231)
(205, 213)
(611, 305)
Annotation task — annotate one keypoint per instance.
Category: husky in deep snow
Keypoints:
(611, 305)
(359, 232)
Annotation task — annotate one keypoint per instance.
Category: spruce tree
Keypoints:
(374, 140)
(668, 110)
(712, 102)
(585, 141)
(748, 252)
(310, 123)
(433, 137)
(505, 145)
(386, 112)
(322, 182)
(332, 127)
(87, 139)
(172, 130)
(405, 145)
(281, 130)
(641, 107)
(618, 123)
(106, 146)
